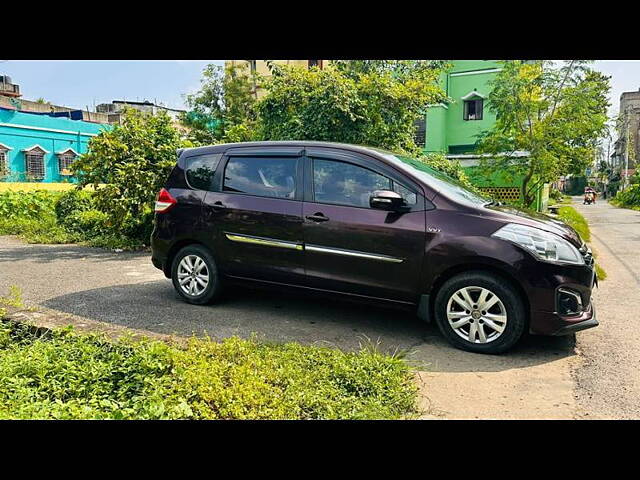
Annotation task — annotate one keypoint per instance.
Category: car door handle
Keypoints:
(217, 206)
(317, 217)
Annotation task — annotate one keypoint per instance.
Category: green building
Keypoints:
(453, 128)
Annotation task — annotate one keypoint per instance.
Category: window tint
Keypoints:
(345, 184)
(200, 169)
(409, 196)
(265, 177)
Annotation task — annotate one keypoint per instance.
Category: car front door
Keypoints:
(351, 247)
(255, 214)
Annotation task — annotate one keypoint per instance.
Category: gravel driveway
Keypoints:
(532, 381)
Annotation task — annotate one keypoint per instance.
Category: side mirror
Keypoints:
(387, 200)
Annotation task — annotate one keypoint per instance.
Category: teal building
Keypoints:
(40, 147)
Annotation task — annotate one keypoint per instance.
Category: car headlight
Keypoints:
(544, 245)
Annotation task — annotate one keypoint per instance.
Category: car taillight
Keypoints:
(164, 202)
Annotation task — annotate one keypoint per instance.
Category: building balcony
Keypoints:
(9, 89)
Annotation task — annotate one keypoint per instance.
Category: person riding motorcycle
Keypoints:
(589, 196)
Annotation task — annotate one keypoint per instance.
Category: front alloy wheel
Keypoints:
(480, 312)
(476, 314)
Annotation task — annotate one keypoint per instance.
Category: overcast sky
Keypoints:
(80, 84)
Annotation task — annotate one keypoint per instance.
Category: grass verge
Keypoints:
(61, 374)
(66, 375)
(617, 203)
(570, 216)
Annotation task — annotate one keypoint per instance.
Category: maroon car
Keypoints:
(373, 225)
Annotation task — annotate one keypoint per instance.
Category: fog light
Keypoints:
(569, 302)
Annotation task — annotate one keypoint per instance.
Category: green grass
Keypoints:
(66, 375)
(600, 272)
(570, 216)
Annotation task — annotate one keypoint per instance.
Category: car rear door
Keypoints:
(254, 214)
(351, 247)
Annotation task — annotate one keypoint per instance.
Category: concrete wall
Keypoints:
(31, 106)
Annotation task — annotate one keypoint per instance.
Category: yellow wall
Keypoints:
(30, 186)
(262, 69)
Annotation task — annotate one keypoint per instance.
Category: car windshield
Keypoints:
(440, 181)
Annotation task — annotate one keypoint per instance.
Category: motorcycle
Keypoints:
(589, 198)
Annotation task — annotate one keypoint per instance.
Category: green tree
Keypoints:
(223, 110)
(353, 103)
(133, 161)
(400, 69)
(554, 112)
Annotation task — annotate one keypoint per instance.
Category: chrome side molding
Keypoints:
(267, 242)
(353, 253)
(271, 242)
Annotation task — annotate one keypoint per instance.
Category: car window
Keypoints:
(199, 170)
(262, 176)
(345, 184)
(410, 197)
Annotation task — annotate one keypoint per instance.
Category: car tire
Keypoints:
(493, 310)
(195, 276)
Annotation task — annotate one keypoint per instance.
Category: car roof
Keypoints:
(288, 143)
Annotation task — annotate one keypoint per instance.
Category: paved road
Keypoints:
(533, 381)
(608, 379)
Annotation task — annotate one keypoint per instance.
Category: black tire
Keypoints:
(214, 286)
(511, 302)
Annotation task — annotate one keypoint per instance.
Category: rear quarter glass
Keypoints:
(199, 170)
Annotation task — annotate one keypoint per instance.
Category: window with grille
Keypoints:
(473, 109)
(420, 131)
(35, 165)
(4, 164)
(64, 162)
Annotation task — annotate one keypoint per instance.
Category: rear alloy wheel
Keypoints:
(195, 276)
(480, 312)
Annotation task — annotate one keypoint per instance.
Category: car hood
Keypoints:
(537, 220)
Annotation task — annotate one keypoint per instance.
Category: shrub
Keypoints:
(571, 217)
(438, 161)
(69, 376)
(27, 205)
(133, 160)
(89, 223)
(376, 108)
(629, 198)
(556, 195)
(71, 202)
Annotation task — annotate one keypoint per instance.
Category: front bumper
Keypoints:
(579, 325)
(543, 290)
